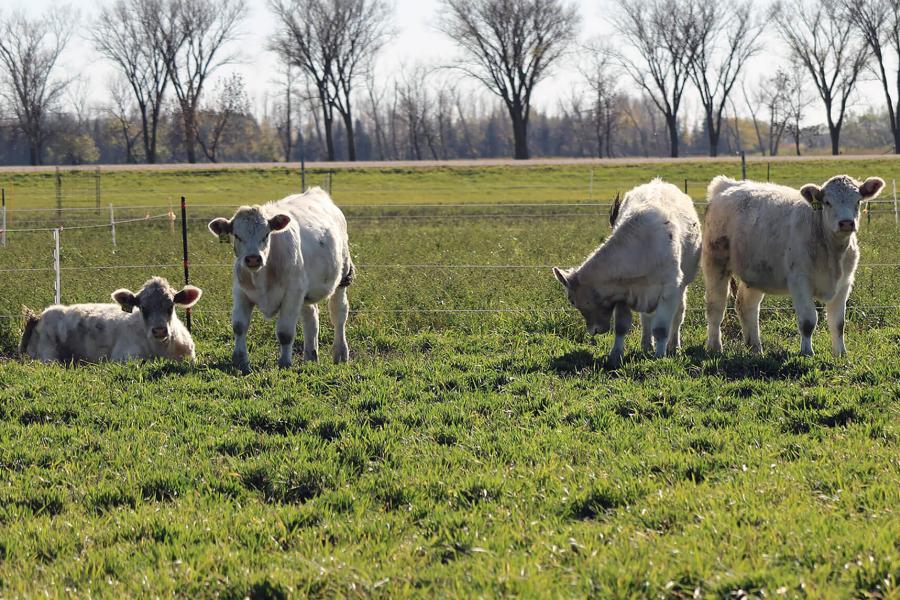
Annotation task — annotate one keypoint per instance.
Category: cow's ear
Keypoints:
(614, 213)
(125, 299)
(567, 278)
(188, 296)
(871, 187)
(220, 227)
(279, 222)
(812, 193)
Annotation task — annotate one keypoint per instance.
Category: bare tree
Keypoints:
(602, 79)
(284, 112)
(725, 36)
(824, 41)
(230, 101)
(123, 113)
(29, 52)
(661, 35)
(510, 45)
(124, 35)
(333, 42)
(879, 23)
(797, 100)
(193, 36)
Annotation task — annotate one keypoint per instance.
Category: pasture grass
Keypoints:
(458, 454)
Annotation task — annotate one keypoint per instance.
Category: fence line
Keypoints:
(450, 266)
(96, 226)
(526, 310)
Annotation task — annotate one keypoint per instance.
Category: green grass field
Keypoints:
(462, 453)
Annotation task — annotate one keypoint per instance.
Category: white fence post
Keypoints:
(112, 224)
(58, 291)
(3, 223)
(591, 187)
(896, 217)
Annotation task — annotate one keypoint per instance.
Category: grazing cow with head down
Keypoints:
(289, 256)
(645, 266)
(778, 240)
(95, 332)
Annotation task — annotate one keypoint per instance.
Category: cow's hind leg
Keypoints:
(662, 321)
(746, 303)
(646, 333)
(716, 293)
(807, 317)
(310, 332)
(339, 308)
(677, 320)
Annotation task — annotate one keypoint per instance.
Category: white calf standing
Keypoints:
(778, 240)
(645, 265)
(95, 332)
(289, 255)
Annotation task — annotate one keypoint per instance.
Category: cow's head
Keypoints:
(840, 199)
(250, 231)
(596, 310)
(156, 301)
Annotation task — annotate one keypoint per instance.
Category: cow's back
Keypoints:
(759, 231)
(320, 230)
(80, 332)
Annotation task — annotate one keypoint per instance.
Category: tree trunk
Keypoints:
(329, 137)
(351, 141)
(672, 126)
(835, 133)
(897, 140)
(190, 137)
(520, 132)
(34, 153)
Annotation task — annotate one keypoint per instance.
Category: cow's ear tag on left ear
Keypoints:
(224, 238)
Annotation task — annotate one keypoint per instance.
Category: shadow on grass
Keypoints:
(771, 365)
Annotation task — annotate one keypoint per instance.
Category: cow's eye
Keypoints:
(237, 237)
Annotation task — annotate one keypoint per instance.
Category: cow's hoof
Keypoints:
(241, 362)
(807, 352)
(615, 359)
(714, 348)
(341, 355)
(311, 355)
(284, 364)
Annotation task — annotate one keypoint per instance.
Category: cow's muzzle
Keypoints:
(160, 333)
(847, 225)
(253, 261)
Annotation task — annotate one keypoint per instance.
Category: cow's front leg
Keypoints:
(338, 309)
(622, 316)
(241, 310)
(835, 311)
(807, 317)
(662, 321)
(310, 332)
(286, 330)
(746, 303)
(675, 332)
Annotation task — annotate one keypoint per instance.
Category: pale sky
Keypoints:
(417, 40)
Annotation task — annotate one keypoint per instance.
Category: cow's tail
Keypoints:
(31, 319)
(718, 185)
(349, 274)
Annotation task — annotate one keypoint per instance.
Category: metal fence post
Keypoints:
(97, 187)
(57, 285)
(3, 222)
(896, 217)
(743, 165)
(184, 243)
(112, 224)
(591, 187)
(58, 193)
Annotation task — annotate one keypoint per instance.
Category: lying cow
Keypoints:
(778, 240)
(96, 332)
(645, 265)
(289, 255)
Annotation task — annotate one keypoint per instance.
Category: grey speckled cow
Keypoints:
(778, 240)
(95, 332)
